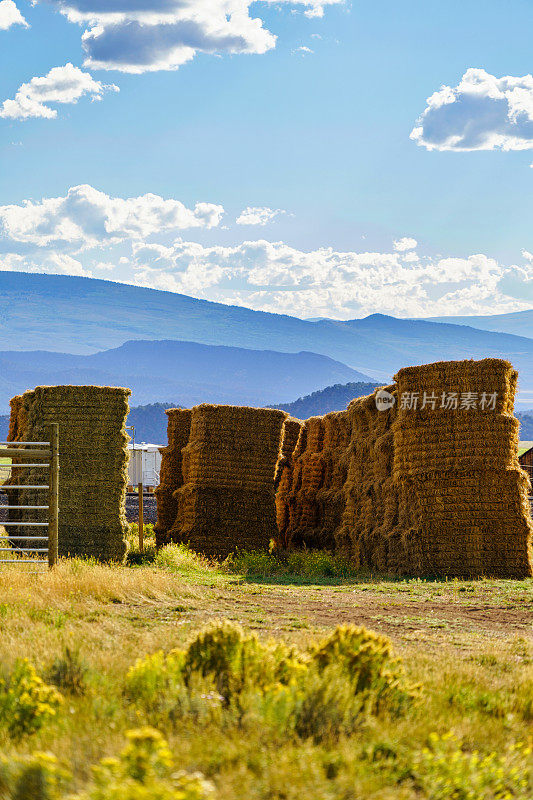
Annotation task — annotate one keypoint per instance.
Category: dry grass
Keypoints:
(470, 644)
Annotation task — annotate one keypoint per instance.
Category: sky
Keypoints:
(321, 158)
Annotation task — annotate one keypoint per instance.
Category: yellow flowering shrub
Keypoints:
(35, 777)
(321, 693)
(26, 701)
(145, 771)
(446, 771)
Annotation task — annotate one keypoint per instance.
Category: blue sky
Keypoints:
(339, 139)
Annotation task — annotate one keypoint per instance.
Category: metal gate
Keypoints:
(25, 549)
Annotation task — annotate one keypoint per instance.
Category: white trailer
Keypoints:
(144, 464)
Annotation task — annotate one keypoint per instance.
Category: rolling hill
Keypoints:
(83, 316)
(520, 323)
(189, 372)
(332, 398)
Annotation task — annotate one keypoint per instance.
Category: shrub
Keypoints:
(319, 694)
(154, 678)
(26, 702)
(145, 771)
(35, 777)
(444, 770)
(366, 659)
(180, 558)
(307, 564)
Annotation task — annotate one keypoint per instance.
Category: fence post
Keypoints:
(53, 497)
(140, 489)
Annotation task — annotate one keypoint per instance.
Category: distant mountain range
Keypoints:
(520, 323)
(81, 330)
(191, 373)
(83, 316)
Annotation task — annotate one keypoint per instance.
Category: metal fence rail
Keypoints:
(48, 542)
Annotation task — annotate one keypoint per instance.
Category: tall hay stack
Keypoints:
(229, 465)
(307, 478)
(369, 493)
(283, 478)
(463, 506)
(171, 472)
(331, 497)
(93, 464)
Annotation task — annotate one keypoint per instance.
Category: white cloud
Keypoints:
(61, 85)
(271, 276)
(87, 232)
(303, 50)
(253, 215)
(138, 36)
(481, 113)
(86, 218)
(10, 15)
(406, 243)
(51, 263)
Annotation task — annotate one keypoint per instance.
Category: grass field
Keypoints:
(465, 732)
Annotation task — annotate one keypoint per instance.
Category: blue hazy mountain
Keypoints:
(519, 323)
(82, 316)
(191, 373)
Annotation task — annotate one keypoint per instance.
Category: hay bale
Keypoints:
(171, 472)
(463, 508)
(227, 499)
(93, 464)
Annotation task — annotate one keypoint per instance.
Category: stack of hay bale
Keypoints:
(171, 473)
(282, 482)
(93, 464)
(463, 506)
(227, 498)
(370, 496)
(289, 439)
(331, 497)
(303, 526)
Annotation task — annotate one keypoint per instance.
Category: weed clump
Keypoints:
(69, 673)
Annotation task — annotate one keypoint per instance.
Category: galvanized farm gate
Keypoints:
(42, 456)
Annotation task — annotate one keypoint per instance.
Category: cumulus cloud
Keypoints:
(10, 15)
(272, 276)
(481, 113)
(61, 85)
(88, 232)
(404, 244)
(51, 263)
(138, 36)
(253, 215)
(86, 218)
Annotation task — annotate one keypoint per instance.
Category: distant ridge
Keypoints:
(332, 398)
(519, 323)
(191, 373)
(83, 316)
